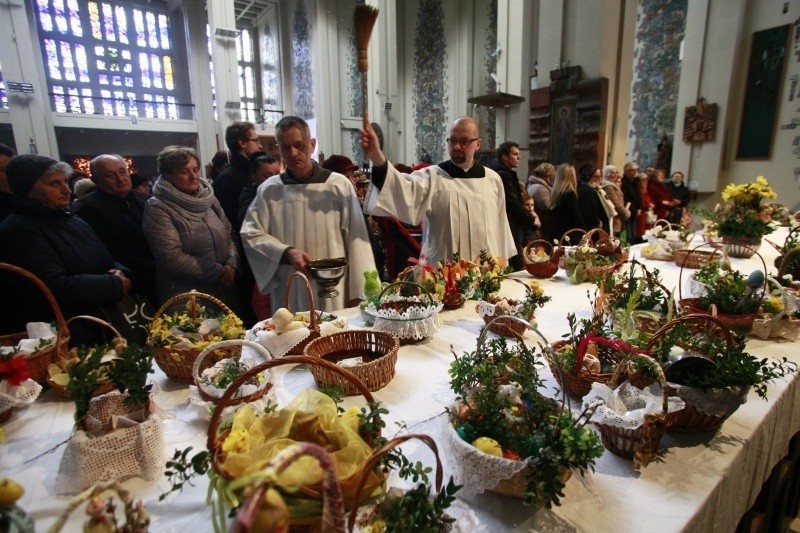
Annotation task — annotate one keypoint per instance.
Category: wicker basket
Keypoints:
(408, 330)
(691, 419)
(694, 258)
(562, 251)
(647, 322)
(741, 324)
(199, 363)
(176, 362)
(105, 385)
(217, 437)
(605, 246)
(39, 361)
(380, 453)
(545, 269)
(639, 444)
(579, 383)
(375, 373)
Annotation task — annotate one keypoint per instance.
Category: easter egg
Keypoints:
(489, 446)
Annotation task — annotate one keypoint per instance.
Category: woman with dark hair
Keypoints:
(189, 233)
(40, 235)
(590, 201)
(564, 211)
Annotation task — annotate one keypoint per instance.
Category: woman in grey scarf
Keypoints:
(189, 233)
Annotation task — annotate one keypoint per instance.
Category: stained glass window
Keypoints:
(3, 94)
(102, 55)
(248, 91)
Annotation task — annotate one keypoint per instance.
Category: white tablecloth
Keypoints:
(700, 483)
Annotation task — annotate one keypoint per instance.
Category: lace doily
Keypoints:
(18, 396)
(204, 409)
(713, 402)
(476, 471)
(418, 321)
(280, 345)
(625, 406)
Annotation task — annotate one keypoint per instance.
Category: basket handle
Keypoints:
(62, 332)
(192, 294)
(651, 277)
(332, 504)
(422, 289)
(568, 233)
(213, 443)
(788, 259)
(755, 252)
(198, 362)
(376, 456)
(133, 518)
(96, 320)
(715, 247)
(614, 382)
(603, 236)
(726, 333)
(312, 312)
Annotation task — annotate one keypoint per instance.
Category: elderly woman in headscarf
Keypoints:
(41, 236)
(188, 232)
(612, 185)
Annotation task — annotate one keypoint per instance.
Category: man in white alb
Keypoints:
(302, 214)
(460, 202)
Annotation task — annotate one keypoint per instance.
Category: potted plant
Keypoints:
(742, 221)
(502, 422)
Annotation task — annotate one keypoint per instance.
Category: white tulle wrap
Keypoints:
(713, 402)
(280, 345)
(625, 406)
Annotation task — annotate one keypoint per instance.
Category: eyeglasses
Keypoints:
(461, 142)
(255, 140)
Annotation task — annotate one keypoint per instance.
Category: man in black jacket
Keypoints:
(114, 210)
(520, 220)
(243, 142)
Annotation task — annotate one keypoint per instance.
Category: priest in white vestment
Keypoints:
(460, 202)
(300, 215)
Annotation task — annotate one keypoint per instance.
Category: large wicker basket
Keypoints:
(177, 362)
(741, 324)
(694, 258)
(39, 360)
(105, 385)
(602, 242)
(207, 393)
(692, 418)
(378, 346)
(217, 437)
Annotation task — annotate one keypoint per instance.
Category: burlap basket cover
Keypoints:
(122, 454)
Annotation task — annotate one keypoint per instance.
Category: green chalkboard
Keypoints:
(763, 92)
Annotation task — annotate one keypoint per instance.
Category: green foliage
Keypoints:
(536, 429)
(415, 511)
(725, 289)
(129, 374)
(734, 366)
(181, 469)
(84, 378)
(743, 223)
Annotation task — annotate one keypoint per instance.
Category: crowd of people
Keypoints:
(260, 217)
